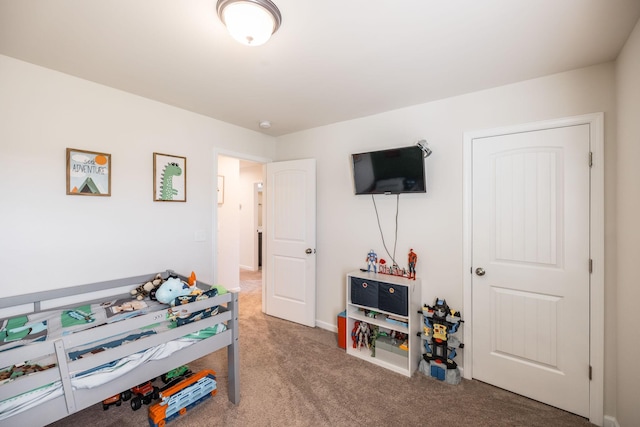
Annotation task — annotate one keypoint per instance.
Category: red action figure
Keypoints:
(413, 260)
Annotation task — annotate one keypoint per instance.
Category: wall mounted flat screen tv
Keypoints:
(392, 171)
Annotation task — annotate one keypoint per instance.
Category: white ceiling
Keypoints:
(331, 60)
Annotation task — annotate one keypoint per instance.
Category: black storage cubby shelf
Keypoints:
(396, 302)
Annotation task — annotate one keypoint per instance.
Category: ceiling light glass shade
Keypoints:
(251, 22)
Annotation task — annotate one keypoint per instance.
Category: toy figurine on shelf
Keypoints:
(361, 335)
(395, 270)
(382, 268)
(372, 261)
(440, 323)
(413, 260)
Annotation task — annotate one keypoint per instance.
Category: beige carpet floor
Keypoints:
(292, 375)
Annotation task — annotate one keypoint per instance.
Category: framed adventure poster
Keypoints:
(88, 173)
(169, 178)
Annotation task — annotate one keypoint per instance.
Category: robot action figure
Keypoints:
(372, 260)
(440, 323)
(361, 335)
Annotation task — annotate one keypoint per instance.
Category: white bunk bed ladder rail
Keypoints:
(64, 375)
(233, 352)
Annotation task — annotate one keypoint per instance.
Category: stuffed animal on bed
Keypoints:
(172, 288)
(147, 289)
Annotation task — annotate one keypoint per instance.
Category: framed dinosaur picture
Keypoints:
(169, 178)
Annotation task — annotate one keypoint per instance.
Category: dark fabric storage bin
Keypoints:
(364, 292)
(393, 298)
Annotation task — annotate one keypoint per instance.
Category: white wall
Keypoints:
(431, 224)
(49, 240)
(228, 226)
(628, 213)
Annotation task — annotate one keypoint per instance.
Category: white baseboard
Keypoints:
(610, 421)
(327, 326)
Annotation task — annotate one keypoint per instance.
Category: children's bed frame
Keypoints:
(72, 400)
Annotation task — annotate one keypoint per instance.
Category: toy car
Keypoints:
(143, 393)
(116, 400)
(113, 400)
(178, 372)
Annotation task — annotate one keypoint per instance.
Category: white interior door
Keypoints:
(290, 266)
(530, 256)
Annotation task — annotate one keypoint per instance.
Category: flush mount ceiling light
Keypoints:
(251, 22)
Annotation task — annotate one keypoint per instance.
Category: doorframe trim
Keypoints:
(596, 245)
(216, 153)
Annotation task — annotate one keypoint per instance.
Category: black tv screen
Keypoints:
(392, 171)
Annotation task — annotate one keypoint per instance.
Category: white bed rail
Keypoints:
(75, 400)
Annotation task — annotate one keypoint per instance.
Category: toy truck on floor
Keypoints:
(181, 397)
(113, 400)
(143, 393)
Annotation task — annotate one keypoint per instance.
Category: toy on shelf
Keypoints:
(413, 260)
(381, 266)
(370, 313)
(392, 270)
(147, 289)
(361, 335)
(440, 323)
(395, 270)
(372, 261)
(181, 397)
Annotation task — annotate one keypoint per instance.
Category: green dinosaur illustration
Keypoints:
(166, 182)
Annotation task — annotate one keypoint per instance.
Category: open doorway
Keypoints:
(239, 223)
(295, 299)
(250, 217)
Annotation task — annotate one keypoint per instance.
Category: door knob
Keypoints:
(309, 251)
(480, 271)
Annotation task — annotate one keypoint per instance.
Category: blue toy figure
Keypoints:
(372, 260)
(440, 323)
